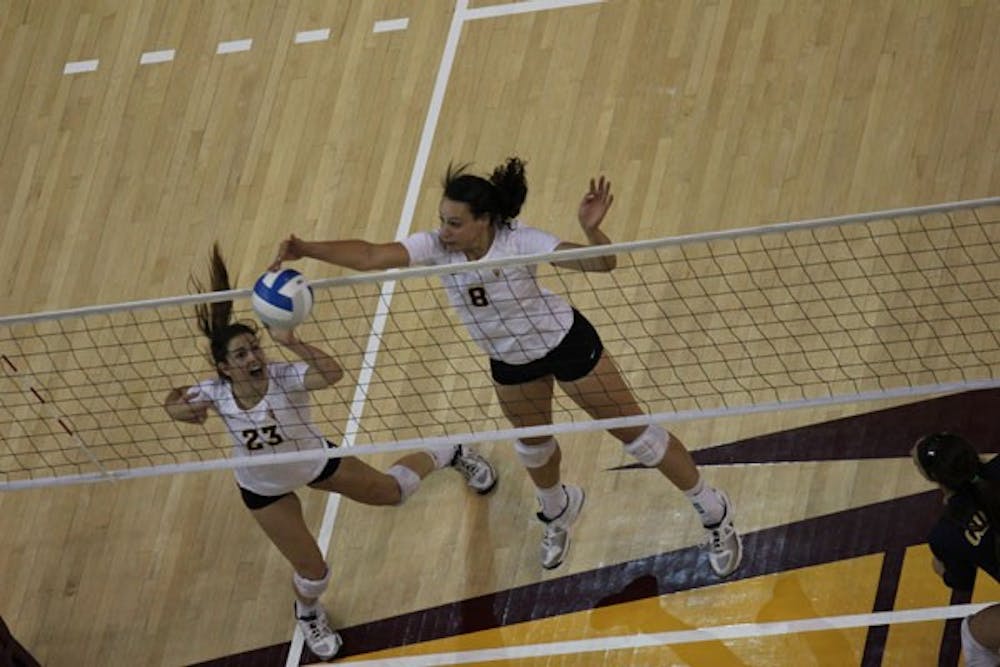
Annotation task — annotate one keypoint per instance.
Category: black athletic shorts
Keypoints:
(573, 358)
(256, 501)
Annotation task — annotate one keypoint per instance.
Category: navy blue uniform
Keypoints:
(962, 549)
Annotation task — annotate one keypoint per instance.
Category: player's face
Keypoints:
(245, 361)
(463, 232)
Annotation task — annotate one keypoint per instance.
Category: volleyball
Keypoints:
(282, 299)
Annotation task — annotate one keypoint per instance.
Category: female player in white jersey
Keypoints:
(265, 406)
(535, 339)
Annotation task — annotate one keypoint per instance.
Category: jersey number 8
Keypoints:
(478, 296)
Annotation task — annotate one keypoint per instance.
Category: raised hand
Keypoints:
(595, 204)
(282, 336)
(288, 251)
(185, 404)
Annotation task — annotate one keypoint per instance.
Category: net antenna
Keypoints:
(886, 305)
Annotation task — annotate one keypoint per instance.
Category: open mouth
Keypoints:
(256, 371)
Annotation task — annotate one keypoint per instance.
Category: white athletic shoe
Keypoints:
(555, 540)
(725, 547)
(477, 471)
(323, 641)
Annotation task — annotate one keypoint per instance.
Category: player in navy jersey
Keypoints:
(265, 406)
(535, 339)
(964, 539)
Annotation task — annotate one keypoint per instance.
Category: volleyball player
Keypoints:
(536, 339)
(265, 406)
(965, 537)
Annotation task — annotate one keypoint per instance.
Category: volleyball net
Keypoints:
(884, 305)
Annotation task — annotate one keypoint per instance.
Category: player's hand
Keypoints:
(288, 251)
(595, 204)
(283, 336)
(185, 404)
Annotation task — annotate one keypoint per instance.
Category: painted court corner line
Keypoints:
(494, 11)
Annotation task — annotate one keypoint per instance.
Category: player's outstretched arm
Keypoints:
(352, 254)
(323, 370)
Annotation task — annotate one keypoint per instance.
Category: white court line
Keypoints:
(677, 637)
(402, 231)
(524, 7)
(234, 46)
(306, 36)
(152, 57)
(385, 297)
(391, 24)
(78, 66)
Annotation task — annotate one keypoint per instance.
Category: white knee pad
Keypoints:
(650, 447)
(535, 456)
(407, 480)
(311, 588)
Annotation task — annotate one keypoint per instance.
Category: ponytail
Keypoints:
(214, 319)
(511, 184)
(501, 197)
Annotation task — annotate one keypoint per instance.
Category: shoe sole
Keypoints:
(569, 536)
(488, 490)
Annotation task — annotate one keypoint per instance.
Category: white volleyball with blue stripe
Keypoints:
(282, 299)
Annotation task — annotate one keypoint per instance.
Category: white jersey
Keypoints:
(505, 310)
(278, 423)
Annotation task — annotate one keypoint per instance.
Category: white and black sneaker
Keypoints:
(555, 539)
(725, 547)
(321, 639)
(479, 473)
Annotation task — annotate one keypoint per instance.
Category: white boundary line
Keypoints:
(154, 57)
(78, 66)
(309, 36)
(459, 17)
(523, 8)
(676, 637)
(234, 46)
(385, 297)
(391, 25)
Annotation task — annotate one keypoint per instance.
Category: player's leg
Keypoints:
(281, 519)
(603, 393)
(981, 638)
(530, 404)
(361, 482)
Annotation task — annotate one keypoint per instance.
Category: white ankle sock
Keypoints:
(302, 610)
(442, 457)
(553, 500)
(706, 503)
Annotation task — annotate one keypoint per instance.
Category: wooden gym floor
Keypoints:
(116, 176)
